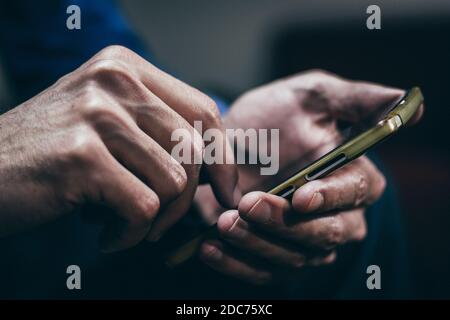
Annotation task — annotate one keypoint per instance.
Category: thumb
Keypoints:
(357, 100)
(343, 99)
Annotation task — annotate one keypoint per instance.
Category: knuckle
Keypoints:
(90, 100)
(316, 87)
(102, 66)
(318, 73)
(362, 189)
(334, 233)
(377, 181)
(83, 147)
(77, 157)
(313, 85)
(113, 52)
(318, 78)
(210, 112)
(178, 178)
(197, 147)
(149, 207)
(193, 150)
(89, 94)
(93, 107)
(107, 70)
(361, 233)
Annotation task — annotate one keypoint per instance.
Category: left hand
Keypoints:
(267, 235)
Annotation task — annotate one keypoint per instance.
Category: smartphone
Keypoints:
(386, 124)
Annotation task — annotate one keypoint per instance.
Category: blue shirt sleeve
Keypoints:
(39, 48)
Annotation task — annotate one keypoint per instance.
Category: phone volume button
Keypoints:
(326, 167)
(286, 192)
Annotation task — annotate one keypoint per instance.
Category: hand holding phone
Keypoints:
(318, 101)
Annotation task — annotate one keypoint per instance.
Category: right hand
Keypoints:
(269, 235)
(102, 135)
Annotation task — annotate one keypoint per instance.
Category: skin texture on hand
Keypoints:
(102, 135)
(268, 237)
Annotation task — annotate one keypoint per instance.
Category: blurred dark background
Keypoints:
(231, 46)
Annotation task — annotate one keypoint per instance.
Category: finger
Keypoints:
(329, 231)
(146, 159)
(201, 112)
(215, 255)
(358, 100)
(318, 232)
(134, 204)
(167, 130)
(368, 99)
(355, 225)
(357, 184)
(119, 118)
(143, 145)
(192, 105)
(321, 260)
(346, 99)
(264, 209)
(175, 210)
(238, 233)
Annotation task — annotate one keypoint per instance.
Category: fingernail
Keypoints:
(260, 212)
(316, 202)
(236, 231)
(237, 195)
(211, 252)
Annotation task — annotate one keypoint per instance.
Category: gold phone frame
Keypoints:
(403, 111)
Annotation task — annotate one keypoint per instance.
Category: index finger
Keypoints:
(192, 105)
(357, 184)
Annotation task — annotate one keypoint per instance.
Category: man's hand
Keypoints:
(268, 235)
(102, 135)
